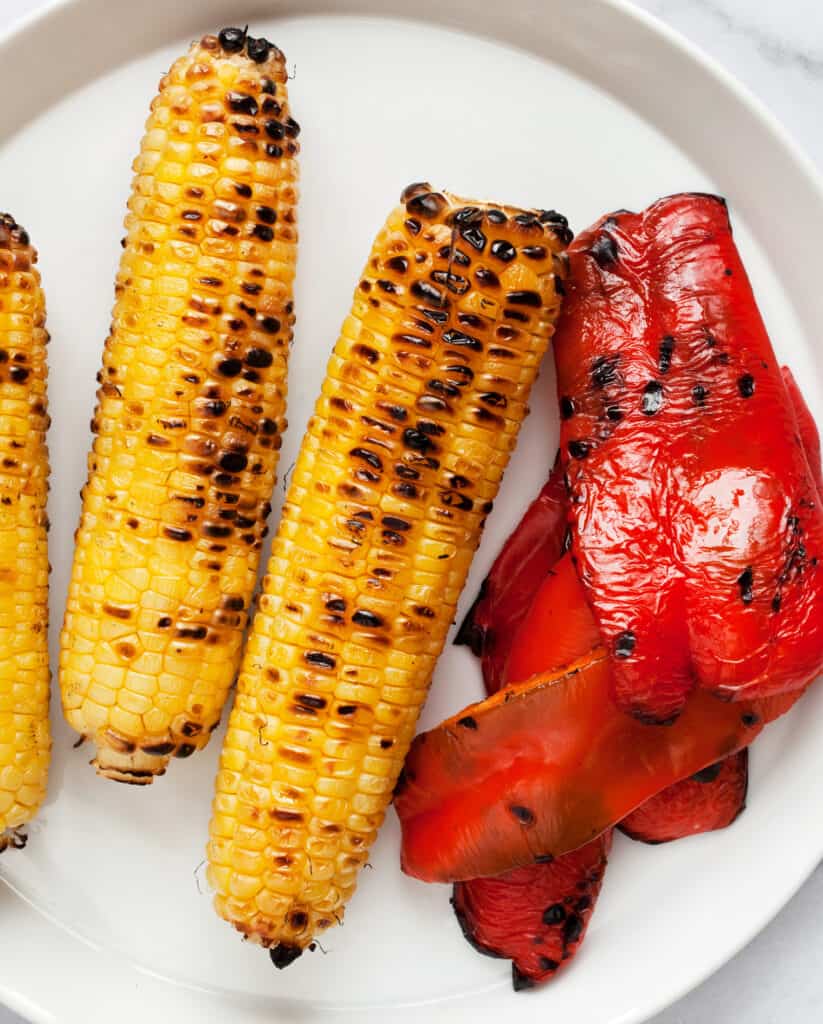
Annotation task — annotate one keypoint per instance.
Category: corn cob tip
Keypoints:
(13, 838)
(123, 762)
(11, 231)
(283, 954)
(422, 201)
(237, 40)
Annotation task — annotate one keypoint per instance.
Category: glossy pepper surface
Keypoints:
(696, 521)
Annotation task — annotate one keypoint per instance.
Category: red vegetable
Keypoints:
(535, 916)
(548, 764)
(711, 799)
(696, 521)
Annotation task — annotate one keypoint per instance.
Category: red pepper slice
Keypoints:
(709, 800)
(696, 522)
(519, 569)
(535, 916)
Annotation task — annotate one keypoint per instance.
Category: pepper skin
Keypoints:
(505, 595)
(535, 916)
(696, 521)
(709, 800)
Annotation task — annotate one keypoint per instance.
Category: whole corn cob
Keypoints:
(24, 567)
(190, 411)
(425, 392)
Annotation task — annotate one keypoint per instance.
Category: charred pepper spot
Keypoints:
(745, 582)
(604, 250)
(572, 929)
(604, 371)
(746, 385)
(624, 644)
(468, 722)
(525, 815)
(521, 981)
(567, 409)
(578, 449)
(555, 914)
(708, 774)
(699, 394)
(652, 400)
(664, 360)
(749, 719)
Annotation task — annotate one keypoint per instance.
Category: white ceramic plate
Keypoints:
(583, 106)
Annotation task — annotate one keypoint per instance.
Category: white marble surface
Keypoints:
(776, 49)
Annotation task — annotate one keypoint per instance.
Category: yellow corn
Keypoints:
(24, 565)
(190, 411)
(424, 395)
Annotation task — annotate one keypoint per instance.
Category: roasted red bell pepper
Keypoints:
(696, 522)
(535, 916)
(544, 767)
(518, 571)
(710, 799)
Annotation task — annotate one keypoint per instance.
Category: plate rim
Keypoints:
(23, 26)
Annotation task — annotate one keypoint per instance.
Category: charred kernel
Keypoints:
(547, 964)
(368, 457)
(604, 250)
(160, 749)
(412, 226)
(242, 103)
(233, 462)
(18, 374)
(462, 340)
(426, 204)
(292, 128)
(232, 39)
(578, 449)
(468, 722)
(749, 719)
(487, 277)
(604, 371)
(275, 130)
(503, 250)
(624, 644)
(406, 472)
(745, 582)
(229, 367)
(387, 286)
(417, 440)
(266, 214)
(270, 324)
(386, 744)
(310, 700)
(614, 413)
(496, 216)
(366, 618)
(424, 290)
(191, 633)
(439, 316)
(534, 252)
(346, 709)
(216, 530)
(273, 150)
(746, 385)
(398, 263)
(699, 394)
(412, 339)
(319, 660)
(664, 360)
(263, 232)
(566, 407)
(524, 298)
(175, 533)
(572, 929)
(494, 399)
(164, 622)
(555, 914)
(652, 400)
(468, 215)
(475, 237)
(243, 190)
(259, 357)
(185, 750)
(258, 50)
(525, 815)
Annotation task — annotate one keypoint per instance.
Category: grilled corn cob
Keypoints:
(24, 567)
(419, 412)
(190, 411)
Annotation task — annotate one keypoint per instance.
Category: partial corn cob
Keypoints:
(190, 411)
(25, 742)
(419, 412)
